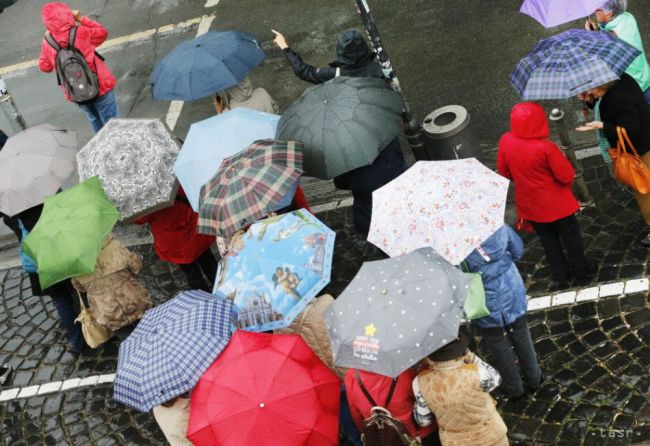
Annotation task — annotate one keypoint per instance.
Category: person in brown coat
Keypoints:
(455, 388)
(114, 294)
(310, 325)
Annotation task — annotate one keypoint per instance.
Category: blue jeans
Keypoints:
(347, 423)
(100, 110)
(62, 294)
(647, 95)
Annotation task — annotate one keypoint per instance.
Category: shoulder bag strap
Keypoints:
(81, 301)
(364, 390)
(390, 392)
(628, 140)
(53, 43)
(620, 146)
(71, 37)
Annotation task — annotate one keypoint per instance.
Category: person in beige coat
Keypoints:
(455, 386)
(243, 95)
(173, 417)
(310, 325)
(115, 296)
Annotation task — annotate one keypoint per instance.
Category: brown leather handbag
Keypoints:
(629, 168)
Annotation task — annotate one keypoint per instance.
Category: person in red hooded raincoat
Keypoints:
(176, 240)
(58, 19)
(543, 177)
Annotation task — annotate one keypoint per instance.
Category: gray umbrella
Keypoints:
(34, 164)
(397, 311)
(133, 159)
(343, 123)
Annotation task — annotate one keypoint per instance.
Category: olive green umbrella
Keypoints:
(70, 232)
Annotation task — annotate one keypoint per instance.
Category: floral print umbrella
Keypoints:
(451, 206)
(133, 159)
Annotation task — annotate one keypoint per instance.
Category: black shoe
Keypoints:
(542, 378)
(5, 372)
(645, 241)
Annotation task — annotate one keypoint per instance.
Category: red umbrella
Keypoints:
(265, 389)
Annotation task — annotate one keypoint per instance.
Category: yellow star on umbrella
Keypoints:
(370, 329)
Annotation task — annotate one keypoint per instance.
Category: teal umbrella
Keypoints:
(70, 232)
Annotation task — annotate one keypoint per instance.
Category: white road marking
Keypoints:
(211, 3)
(176, 107)
(114, 44)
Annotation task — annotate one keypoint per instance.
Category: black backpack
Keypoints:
(72, 71)
(381, 429)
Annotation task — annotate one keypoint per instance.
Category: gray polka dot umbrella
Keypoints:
(397, 311)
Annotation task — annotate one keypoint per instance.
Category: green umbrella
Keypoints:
(70, 232)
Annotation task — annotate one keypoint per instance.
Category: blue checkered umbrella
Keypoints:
(570, 63)
(170, 349)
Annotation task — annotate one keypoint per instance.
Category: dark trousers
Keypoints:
(503, 345)
(562, 236)
(63, 294)
(348, 427)
(204, 265)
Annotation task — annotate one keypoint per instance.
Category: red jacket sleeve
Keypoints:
(44, 62)
(502, 165)
(300, 200)
(559, 164)
(96, 32)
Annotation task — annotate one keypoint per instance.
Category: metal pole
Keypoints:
(9, 108)
(557, 116)
(412, 129)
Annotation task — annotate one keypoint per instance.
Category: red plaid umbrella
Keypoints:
(249, 185)
(265, 389)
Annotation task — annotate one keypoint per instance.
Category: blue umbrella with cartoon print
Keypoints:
(276, 268)
(397, 311)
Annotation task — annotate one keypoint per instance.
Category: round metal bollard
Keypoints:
(447, 135)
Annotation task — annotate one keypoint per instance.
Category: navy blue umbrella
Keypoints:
(171, 347)
(202, 66)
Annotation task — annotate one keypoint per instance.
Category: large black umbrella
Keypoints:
(343, 123)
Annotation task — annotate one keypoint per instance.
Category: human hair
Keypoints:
(608, 85)
(616, 7)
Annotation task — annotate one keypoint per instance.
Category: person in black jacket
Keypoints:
(623, 104)
(354, 58)
(61, 293)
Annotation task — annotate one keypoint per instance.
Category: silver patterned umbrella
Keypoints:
(133, 159)
(397, 311)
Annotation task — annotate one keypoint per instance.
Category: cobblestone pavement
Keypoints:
(596, 353)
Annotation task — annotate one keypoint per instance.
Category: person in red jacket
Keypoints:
(176, 240)
(401, 403)
(542, 177)
(58, 19)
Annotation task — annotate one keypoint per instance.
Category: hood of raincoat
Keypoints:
(57, 17)
(528, 121)
(352, 49)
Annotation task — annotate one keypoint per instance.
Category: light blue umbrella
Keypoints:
(170, 349)
(276, 269)
(210, 141)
